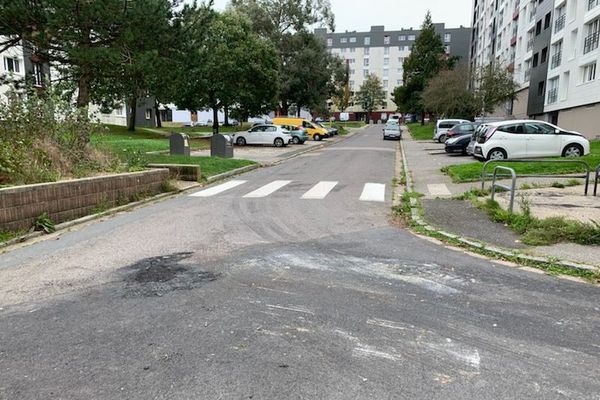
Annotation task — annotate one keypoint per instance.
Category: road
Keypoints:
(250, 291)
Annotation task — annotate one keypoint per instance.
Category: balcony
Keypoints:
(532, 15)
(591, 42)
(559, 24)
(552, 95)
(592, 4)
(511, 67)
(513, 41)
(530, 45)
(556, 60)
(528, 75)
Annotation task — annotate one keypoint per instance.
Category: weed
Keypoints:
(102, 206)
(557, 185)
(168, 186)
(5, 236)
(44, 223)
(526, 186)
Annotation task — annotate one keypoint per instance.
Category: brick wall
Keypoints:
(68, 200)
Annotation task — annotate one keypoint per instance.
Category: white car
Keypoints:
(443, 126)
(528, 139)
(392, 131)
(263, 134)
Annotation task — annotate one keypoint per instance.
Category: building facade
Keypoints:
(552, 48)
(18, 67)
(382, 53)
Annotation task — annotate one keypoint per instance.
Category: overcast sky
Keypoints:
(359, 15)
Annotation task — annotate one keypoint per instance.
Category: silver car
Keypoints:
(392, 131)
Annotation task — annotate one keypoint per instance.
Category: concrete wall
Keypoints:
(581, 119)
(520, 104)
(68, 200)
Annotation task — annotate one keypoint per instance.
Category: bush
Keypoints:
(44, 138)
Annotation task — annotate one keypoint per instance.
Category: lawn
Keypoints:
(209, 166)
(472, 172)
(421, 132)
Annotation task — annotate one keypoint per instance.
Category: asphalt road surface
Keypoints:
(286, 283)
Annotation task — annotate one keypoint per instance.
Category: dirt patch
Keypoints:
(156, 276)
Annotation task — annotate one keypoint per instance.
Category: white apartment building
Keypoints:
(382, 53)
(552, 47)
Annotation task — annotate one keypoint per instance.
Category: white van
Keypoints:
(443, 126)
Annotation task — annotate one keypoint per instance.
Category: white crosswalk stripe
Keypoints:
(320, 190)
(268, 189)
(373, 192)
(218, 189)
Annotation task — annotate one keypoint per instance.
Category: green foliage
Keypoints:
(447, 95)
(427, 58)
(494, 86)
(44, 223)
(421, 132)
(370, 96)
(168, 186)
(43, 138)
(6, 236)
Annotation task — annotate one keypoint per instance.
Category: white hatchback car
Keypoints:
(443, 126)
(528, 139)
(263, 134)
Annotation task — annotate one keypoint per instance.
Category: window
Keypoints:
(536, 58)
(516, 128)
(343, 40)
(352, 49)
(329, 42)
(552, 90)
(148, 113)
(386, 40)
(352, 40)
(447, 37)
(593, 36)
(351, 83)
(11, 64)
(541, 88)
(399, 82)
(399, 70)
(544, 55)
(119, 111)
(447, 49)
(386, 61)
(547, 20)
(351, 61)
(538, 28)
(386, 50)
(386, 72)
(365, 73)
(401, 60)
(343, 50)
(589, 72)
(367, 41)
(385, 83)
(38, 75)
(352, 71)
(366, 62)
(401, 48)
(367, 51)
(537, 128)
(411, 37)
(402, 38)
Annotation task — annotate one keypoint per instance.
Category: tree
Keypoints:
(78, 35)
(225, 65)
(447, 94)
(494, 85)
(427, 58)
(370, 96)
(341, 93)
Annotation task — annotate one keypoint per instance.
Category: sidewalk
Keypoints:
(426, 159)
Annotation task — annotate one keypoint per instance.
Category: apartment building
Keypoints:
(552, 48)
(19, 65)
(382, 53)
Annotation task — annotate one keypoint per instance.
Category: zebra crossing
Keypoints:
(371, 192)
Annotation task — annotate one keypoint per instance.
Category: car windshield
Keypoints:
(392, 127)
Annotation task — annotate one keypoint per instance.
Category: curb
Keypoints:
(415, 217)
(233, 172)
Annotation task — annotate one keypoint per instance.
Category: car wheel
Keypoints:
(442, 139)
(278, 142)
(573, 150)
(384, 138)
(497, 154)
(317, 137)
(240, 141)
(295, 140)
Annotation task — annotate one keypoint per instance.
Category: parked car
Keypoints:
(315, 132)
(528, 139)
(462, 129)
(471, 146)
(458, 144)
(392, 131)
(259, 120)
(331, 131)
(443, 126)
(298, 133)
(263, 134)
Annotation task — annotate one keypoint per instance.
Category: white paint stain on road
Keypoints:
(297, 309)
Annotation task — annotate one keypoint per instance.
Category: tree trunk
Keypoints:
(83, 92)
(422, 117)
(299, 111)
(132, 114)
(215, 126)
(226, 118)
(157, 112)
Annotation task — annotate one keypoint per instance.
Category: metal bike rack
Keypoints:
(585, 176)
(510, 188)
(596, 180)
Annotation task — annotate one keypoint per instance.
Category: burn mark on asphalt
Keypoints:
(156, 276)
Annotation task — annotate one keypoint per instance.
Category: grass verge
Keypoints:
(6, 236)
(421, 132)
(471, 172)
(208, 165)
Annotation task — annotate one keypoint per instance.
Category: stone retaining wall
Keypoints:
(68, 200)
